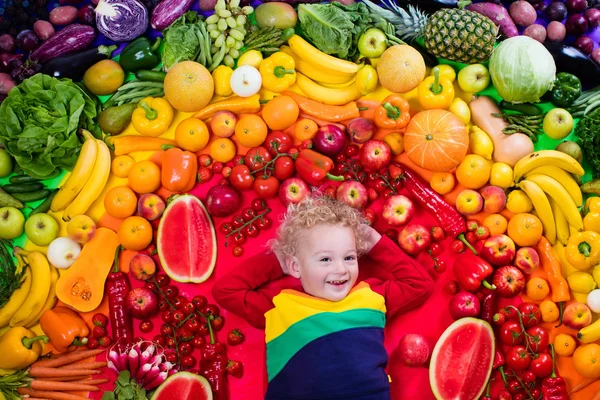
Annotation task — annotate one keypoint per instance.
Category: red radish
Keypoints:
(522, 13)
(593, 17)
(499, 16)
(585, 44)
(576, 25)
(536, 31)
(6, 83)
(556, 31)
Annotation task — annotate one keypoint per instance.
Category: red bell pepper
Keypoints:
(554, 387)
(471, 271)
(314, 167)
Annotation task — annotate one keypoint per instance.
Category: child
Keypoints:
(325, 338)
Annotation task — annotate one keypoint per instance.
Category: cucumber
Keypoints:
(45, 205)
(6, 200)
(150, 76)
(524, 108)
(22, 179)
(23, 187)
(32, 196)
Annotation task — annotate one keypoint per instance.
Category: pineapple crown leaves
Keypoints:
(409, 24)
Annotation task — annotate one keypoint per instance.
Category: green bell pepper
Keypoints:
(567, 89)
(140, 54)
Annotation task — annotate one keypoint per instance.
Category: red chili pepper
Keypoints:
(554, 387)
(487, 395)
(314, 168)
(488, 305)
(117, 288)
(471, 271)
(499, 365)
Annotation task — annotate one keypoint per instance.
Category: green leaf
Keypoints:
(108, 396)
(124, 378)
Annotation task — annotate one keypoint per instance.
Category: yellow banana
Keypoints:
(40, 287)
(367, 80)
(310, 53)
(325, 95)
(542, 205)
(590, 333)
(547, 157)
(564, 178)
(319, 74)
(573, 230)
(338, 85)
(79, 176)
(94, 186)
(562, 226)
(16, 299)
(50, 300)
(561, 196)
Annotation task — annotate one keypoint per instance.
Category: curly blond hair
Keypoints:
(317, 210)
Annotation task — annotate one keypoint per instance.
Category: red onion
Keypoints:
(86, 15)
(576, 6)
(585, 44)
(556, 11)
(27, 40)
(596, 56)
(8, 61)
(7, 43)
(593, 17)
(121, 20)
(576, 25)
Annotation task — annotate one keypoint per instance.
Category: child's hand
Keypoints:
(373, 236)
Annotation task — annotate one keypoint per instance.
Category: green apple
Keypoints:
(41, 229)
(11, 223)
(6, 163)
(372, 43)
(473, 78)
(558, 123)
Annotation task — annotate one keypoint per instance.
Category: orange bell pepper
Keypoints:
(552, 267)
(393, 113)
(64, 327)
(179, 169)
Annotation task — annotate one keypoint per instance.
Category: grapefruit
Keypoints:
(189, 86)
(182, 386)
(186, 240)
(401, 68)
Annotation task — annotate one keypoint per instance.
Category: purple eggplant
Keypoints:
(73, 38)
(167, 11)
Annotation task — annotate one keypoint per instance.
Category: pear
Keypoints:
(115, 119)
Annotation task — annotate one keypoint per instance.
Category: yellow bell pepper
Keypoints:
(20, 348)
(152, 117)
(278, 72)
(583, 250)
(435, 91)
(591, 220)
(252, 58)
(222, 77)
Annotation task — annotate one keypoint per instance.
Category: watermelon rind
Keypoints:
(183, 375)
(185, 198)
(433, 380)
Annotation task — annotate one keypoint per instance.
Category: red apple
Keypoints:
(361, 130)
(141, 303)
(413, 350)
(527, 259)
(498, 250)
(293, 191)
(142, 267)
(509, 281)
(222, 200)
(329, 140)
(398, 210)
(414, 238)
(464, 304)
(352, 193)
(375, 154)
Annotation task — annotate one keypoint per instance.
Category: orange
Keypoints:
(120, 202)
(396, 142)
(280, 112)
(121, 166)
(251, 130)
(144, 177)
(305, 129)
(401, 68)
(496, 223)
(442, 182)
(192, 134)
(189, 87)
(586, 360)
(564, 345)
(474, 171)
(222, 150)
(549, 311)
(525, 229)
(135, 233)
(537, 288)
(104, 77)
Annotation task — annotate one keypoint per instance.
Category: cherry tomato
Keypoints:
(389, 193)
(338, 169)
(237, 222)
(380, 186)
(397, 184)
(199, 302)
(248, 214)
(184, 334)
(225, 228)
(278, 142)
(170, 342)
(237, 251)
(284, 168)
(150, 286)
(240, 178)
(538, 339)
(188, 361)
(146, 326)
(536, 393)
(217, 167)
(499, 319)
(197, 342)
(518, 358)
(340, 158)
(439, 266)
(509, 313)
(171, 292)
(218, 323)
(519, 396)
(264, 223)
(541, 366)
(163, 305)
(266, 188)
(163, 280)
(531, 314)
(167, 316)
(171, 357)
(528, 377)
(471, 238)
(504, 395)
(192, 324)
(351, 150)
(203, 329)
(185, 348)
(178, 316)
(258, 205)
(457, 246)
(257, 157)
(511, 333)
(179, 302)
(238, 239)
(435, 249)
(514, 387)
(451, 287)
(211, 310)
(188, 308)
(158, 339)
(251, 230)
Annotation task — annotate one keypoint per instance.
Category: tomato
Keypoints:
(162, 280)
(225, 228)
(203, 329)
(266, 188)
(518, 358)
(237, 251)
(240, 178)
(278, 142)
(211, 310)
(171, 292)
(504, 395)
(248, 214)
(258, 205)
(188, 361)
(238, 239)
(510, 313)
(541, 366)
(538, 339)
(264, 223)
(185, 348)
(514, 387)
(351, 150)
(511, 333)
(330, 191)
(218, 323)
(284, 168)
(257, 157)
(192, 324)
(198, 342)
(528, 377)
(435, 249)
(251, 230)
(457, 246)
(237, 221)
(519, 396)
(188, 308)
(199, 302)
(531, 314)
(498, 319)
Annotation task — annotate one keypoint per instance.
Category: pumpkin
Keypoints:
(436, 140)
(82, 286)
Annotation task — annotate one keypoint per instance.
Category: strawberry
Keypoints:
(151, 249)
(205, 174)
(235, 337)
(373, 195)
(437, 234)
(482, 232)
(235, 368)
(105, 341)
(98, 332)
(395, 171)
(204, 160)
(472, 225)
(92, 343)
(100, 320)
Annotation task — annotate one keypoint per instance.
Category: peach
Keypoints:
(142, 267)
(81, 229)
(361, 130)
(527, 259)
(222, 124)
(150, 206)
(577, 316)
(469, 202)
(494, 199)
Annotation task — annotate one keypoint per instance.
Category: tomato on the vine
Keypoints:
(211, 310)
(225, 228)
(241, 178)
(218, 323)
(188, 308)
(511, 333)
(192, 324)
(146, 326)
(237, 221)
(258, 204)
(435, 249)
(518, 358)
(541, 366)
(538, 339)
(351, 150)
(284, 168)
(266, 187)
(199, 302)
(203, 329)
(248, 214)
(238, 239)
(257, 157)
(531, 314)
(251, 230)
(197, 342)
(185, 348)
(188, 361)
(264, 223)
(514, 387)
(278, 142)
(528, 377)
(163, 280)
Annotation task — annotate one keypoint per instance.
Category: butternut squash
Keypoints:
(82, 286)
(507, 148)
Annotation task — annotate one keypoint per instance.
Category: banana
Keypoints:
(319, 74)
(562, 226)
(40, 288)
(16, 299)
(561, 196)
(547, 157)
(325, 95)
(310, 53)
(573, 230)
(352, 81)
(94, 186)
(50, 301)
(564, 178)
(542, 206)
(590, 333)
(79, 176)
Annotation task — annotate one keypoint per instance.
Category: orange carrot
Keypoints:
(84, 365)
(67, 358)
(50, 395)
(47, 372)
(582, 385)
(91, 381)
(61, 386)
(68, 378)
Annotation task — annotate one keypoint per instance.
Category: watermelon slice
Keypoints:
(182, 386)
(186, 240)
(461, 362)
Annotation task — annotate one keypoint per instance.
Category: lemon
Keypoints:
(501, 175)
(251, 57)
(396, 142)
(480, 143)
(366, 80)
(596, 274)
(581, 282)
(222, 77)
(446, 71)
(518, 202)
(461, 109)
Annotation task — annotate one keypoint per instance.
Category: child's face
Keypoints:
(327, 262)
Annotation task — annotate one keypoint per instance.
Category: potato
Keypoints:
(536, 31)
(556, 31)
(522, 13)
(43, 29)
(63, 15)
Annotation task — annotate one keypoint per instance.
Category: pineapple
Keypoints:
(454, 34)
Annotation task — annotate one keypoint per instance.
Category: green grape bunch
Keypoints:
(227, 30)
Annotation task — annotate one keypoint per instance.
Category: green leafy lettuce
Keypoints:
(334, 28)
(182, 40)
(588, 132)
(39, 121)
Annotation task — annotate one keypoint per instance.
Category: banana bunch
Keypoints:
(545, 176)
(87, 180)
(328, 79)
(36, 294)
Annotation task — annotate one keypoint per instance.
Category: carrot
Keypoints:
(68, 378)
(67, 358)
(324, 112)
(582, 385)
(85, 365)
(46, 372)
(132, 143)
(91, 381)
(61, 386)
(50, 395)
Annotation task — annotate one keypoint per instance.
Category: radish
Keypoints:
(536, 31)
(499, 16)
(522, 13)
(63, 252)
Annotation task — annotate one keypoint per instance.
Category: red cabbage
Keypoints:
(121, 20)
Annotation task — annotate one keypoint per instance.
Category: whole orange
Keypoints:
(564, 344)
(525, 229)
(442, 182)
(120, 202)
(144, 177)
(586, 360)
(222, 150)
(192, 134)
(305, 129)
(280, 112)
(121, 165)
(135, 233)
(189, 86)
(474, 171)
(496, 223)
(251, 130)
